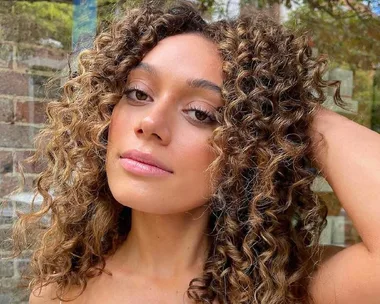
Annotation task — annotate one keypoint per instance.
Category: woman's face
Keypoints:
(168, 111)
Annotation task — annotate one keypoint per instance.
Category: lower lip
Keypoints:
(135, 166)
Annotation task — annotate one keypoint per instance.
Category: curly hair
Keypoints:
(265, 222)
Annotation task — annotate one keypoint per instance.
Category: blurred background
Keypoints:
(38, 37)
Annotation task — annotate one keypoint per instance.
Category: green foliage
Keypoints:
(106, 11)
(351, 41)
(25, 21)
(376, 102)
(363, 94)
(363, 85)
(347, 40)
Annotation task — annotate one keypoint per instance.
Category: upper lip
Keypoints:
(145, 158)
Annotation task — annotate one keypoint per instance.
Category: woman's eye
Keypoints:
(197, 114)
(201, 116)
(139, 94)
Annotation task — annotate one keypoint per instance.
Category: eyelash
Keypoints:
(209, 115)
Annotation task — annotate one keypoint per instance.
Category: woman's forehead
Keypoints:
(186, 56)
(189, 54)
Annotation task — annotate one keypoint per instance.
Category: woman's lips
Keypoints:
(140, 168)
(145, 158)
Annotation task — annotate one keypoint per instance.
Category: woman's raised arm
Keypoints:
(349, 159)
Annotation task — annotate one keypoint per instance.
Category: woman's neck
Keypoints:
(165, 246)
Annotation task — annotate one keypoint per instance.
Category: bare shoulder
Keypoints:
(47, 295)
(346, 275)
(319, 278)
(44, 295)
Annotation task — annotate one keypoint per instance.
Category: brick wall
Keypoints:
(24, 71)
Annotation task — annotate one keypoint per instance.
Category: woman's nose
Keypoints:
(154, 124)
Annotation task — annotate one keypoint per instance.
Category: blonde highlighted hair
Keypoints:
(265, 222)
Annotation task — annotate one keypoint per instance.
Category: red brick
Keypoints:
(45, 87)
(16, 136)
(28, 167)
(30, 111)
(12, 83)
(6, 162)
(6, 55)
(40, 58)
(6, 110)
(33, 85)
(9, 183)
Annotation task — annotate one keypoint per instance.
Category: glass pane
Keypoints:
(354, 60)
(36, 40)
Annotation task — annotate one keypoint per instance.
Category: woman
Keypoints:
(179, 165)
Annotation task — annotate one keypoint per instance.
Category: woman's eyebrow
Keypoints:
(193, 83)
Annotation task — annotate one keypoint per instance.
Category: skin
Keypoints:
(168, 212)
(350, 163)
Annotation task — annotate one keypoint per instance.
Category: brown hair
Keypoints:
(266, 221)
